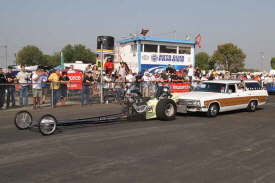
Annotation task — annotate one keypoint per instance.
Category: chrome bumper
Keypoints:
(184, 108)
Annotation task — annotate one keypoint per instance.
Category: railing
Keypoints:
(22, 95)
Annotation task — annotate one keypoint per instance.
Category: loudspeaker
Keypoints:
(107, 41)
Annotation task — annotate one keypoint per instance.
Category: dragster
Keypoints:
(135, 106)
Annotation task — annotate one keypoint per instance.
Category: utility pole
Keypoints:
(263, 58)
(6, 55)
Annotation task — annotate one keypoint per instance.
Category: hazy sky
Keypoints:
(51, 24)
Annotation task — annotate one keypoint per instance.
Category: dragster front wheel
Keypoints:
(47, 124)
(23, 120)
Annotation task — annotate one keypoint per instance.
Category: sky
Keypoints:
(52, 24)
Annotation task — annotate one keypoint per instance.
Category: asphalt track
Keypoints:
(235, 147)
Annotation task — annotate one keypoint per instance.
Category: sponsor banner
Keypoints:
(180, 87)
(157, 68)
(167, 58)
(76, 80)
(98, 51)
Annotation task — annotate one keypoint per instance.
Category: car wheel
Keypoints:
(166, 110)
(213, 110)
(252, 106)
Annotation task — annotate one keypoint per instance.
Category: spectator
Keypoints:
(44, 85)
(95, 75)
(23, 78)
(212, 76)
(146, 83)
(170, 69)
(88, 68)
(119, 86)
(109, 66)
(2, 88)
(71, 68)
(164, 76)
(64, 79)
(130, 77)
(11, 78)
(36, 88)
(86, 90)
(55, 85)
(122, 70)
(190, 73)
(198, 72)
(107, 81)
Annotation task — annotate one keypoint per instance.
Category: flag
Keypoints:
(144, 32)
(198, 40)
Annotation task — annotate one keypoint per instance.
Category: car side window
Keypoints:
(231, 88)
(253, 86)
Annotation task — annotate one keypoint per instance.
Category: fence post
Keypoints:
(52, 98)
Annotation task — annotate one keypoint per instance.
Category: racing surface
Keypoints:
(234, 147)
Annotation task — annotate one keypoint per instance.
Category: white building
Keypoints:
(155, 54)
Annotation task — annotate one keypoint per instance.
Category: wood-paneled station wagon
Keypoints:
(217, 96)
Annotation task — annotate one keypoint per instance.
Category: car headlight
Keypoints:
(189, 102)
(195, 102)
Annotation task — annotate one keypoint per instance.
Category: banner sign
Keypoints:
(180, 87)
(75, 79)
(169, 58)
(158, 68)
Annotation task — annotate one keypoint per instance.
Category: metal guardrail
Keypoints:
(113, 92)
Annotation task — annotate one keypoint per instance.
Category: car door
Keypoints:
(231, 100)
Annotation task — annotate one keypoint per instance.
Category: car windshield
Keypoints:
(211, 87)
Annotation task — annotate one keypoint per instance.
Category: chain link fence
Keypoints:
(24, 95)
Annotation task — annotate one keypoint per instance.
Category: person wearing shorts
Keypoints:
(36, 88)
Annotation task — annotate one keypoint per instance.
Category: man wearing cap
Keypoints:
(11, 78)
(2, 87)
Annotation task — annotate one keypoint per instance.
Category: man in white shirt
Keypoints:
(36, 88)
(23, 78)
(107, 85)
(146, 83)
(122, 70)
(190, 73)
(130, 77)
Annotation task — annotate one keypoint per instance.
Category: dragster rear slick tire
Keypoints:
(166, 110)
(47, 124)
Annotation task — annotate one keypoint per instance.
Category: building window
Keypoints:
(134, 49)
(185, 50)
(150, 48)
(167, 49)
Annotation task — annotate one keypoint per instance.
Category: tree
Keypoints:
(202, 60)
(30, 55)
(272, 62)
(78, 52)
(229, 57)
(52, 60)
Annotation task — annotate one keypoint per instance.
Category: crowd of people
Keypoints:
(55, 82)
